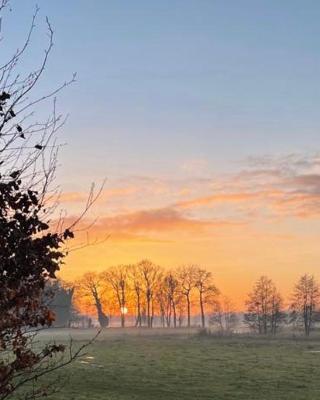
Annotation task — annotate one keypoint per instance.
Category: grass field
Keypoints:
(152, 366)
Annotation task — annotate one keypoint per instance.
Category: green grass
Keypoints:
(152, 367)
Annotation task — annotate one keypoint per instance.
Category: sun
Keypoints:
(124, 310)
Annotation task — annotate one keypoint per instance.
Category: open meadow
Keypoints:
(181, 364)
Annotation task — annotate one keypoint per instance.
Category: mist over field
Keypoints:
(183, 364)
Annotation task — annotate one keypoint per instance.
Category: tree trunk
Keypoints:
(174, 315)
(189, 311)
(138, 319)
(152, 314)
(122, 320)
(168, 315)
(307, 320)
(102, 318)
(148, 310)
(203, 322)
(123, 306)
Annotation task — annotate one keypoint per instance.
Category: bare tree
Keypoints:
(181, 309)
(187, 278)
(164, 306)
(173, 297)
(277, 315)
(151, 274)
(264, 305)
(305, 302)
(136, 282)
(26, 145)
(224, 316)
(92, 285)
(117, 277)
(31, 250)
(206, 289)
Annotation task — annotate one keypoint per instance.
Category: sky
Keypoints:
(203, 116)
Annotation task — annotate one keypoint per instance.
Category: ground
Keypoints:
(162, 365)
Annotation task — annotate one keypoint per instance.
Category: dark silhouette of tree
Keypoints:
(151, 274)
(187, 278)
(31, 252)
(264, 307)
(29, 256)
(59, 297)
(171, 289)
(164, 308)
(92, 286)
(224, 316)
(117, 277)
(136, 282)
(206, 289)
(305, 302)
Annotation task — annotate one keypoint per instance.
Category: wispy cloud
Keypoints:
(155, 223)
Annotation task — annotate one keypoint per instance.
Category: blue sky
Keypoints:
(162, 83)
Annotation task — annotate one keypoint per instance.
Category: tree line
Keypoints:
(267, 312)
(147, 292)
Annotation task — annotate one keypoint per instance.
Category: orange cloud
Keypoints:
(155, 221)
